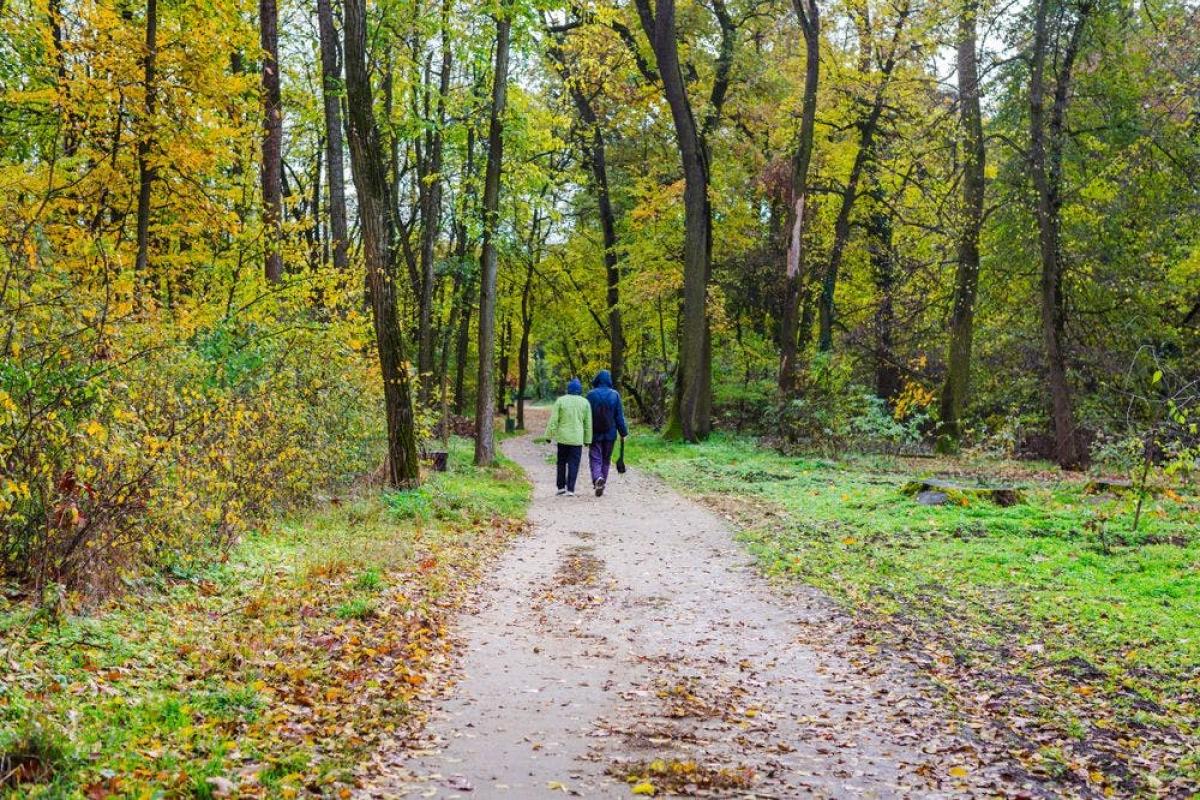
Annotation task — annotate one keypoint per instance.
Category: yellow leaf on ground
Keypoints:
(959, 772)
(644, 788)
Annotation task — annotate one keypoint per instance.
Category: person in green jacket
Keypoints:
(570, 427)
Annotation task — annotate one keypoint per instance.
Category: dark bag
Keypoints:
(621, 458)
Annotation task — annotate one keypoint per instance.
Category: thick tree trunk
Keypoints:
(691, 411)
(146, 171)
(809, 15)
(371, 184)
(485, 444)
(272, 143)
(966, 277)
(1045, 166)
(331, 71)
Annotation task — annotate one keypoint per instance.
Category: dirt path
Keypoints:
(629, 634)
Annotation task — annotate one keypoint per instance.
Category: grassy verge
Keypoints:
(1080, 639)
(270, 674)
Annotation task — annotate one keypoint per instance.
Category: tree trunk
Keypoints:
(883, 271)
(430, 189)
(502, 382)
(462, 349)
(966, 277)
(272, 144)
(691, 411)
(485, 445)
(809, 15)
(526, 330)
(1045, 166)
(146, 171)
(314, 232)
(371, 184)
(331, 70)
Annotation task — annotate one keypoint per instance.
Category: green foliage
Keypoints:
(369, 580)
(357, 608)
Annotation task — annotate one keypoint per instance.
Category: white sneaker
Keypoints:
(570, 494)
(561, 492)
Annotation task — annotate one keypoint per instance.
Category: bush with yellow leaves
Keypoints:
(151, 441)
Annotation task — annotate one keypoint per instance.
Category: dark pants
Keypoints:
(568, 465)
(599, 456)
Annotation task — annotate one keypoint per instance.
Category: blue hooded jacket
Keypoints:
(608, 415)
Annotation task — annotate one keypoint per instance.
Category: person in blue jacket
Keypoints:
(608, 420)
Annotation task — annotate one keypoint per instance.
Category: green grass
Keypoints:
(1050, 587)
(276, 668)
(458, 495)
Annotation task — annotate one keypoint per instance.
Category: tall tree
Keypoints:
(868, 128)
(272, 142)
(810, 24)
(429, 187)
(596, 152)
(375, 218)
(485, 444)
(691, 409)
(966, 274)
(146, 170)
(331, 92)
(1046, 140)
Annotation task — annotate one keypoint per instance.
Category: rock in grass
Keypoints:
(931, 498)
(1003, 496)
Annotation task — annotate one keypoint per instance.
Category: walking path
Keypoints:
(628, 634)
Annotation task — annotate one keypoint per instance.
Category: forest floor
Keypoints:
(628, 645)
(1049, 625)
(435, 644)
(270, 674)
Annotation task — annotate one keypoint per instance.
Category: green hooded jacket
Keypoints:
(570, 421)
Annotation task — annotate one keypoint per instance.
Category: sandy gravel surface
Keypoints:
(630, 634)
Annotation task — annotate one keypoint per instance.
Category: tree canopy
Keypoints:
(230, 228)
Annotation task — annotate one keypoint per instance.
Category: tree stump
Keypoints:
(932, 491)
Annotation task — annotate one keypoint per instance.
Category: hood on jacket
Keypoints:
(603, 378)
(574, 386)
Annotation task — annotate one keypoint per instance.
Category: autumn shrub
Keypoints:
(133, 441)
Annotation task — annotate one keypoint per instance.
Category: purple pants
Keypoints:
(599, 456)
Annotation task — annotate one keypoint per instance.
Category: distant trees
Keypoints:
(331, 94)
(756, 213)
